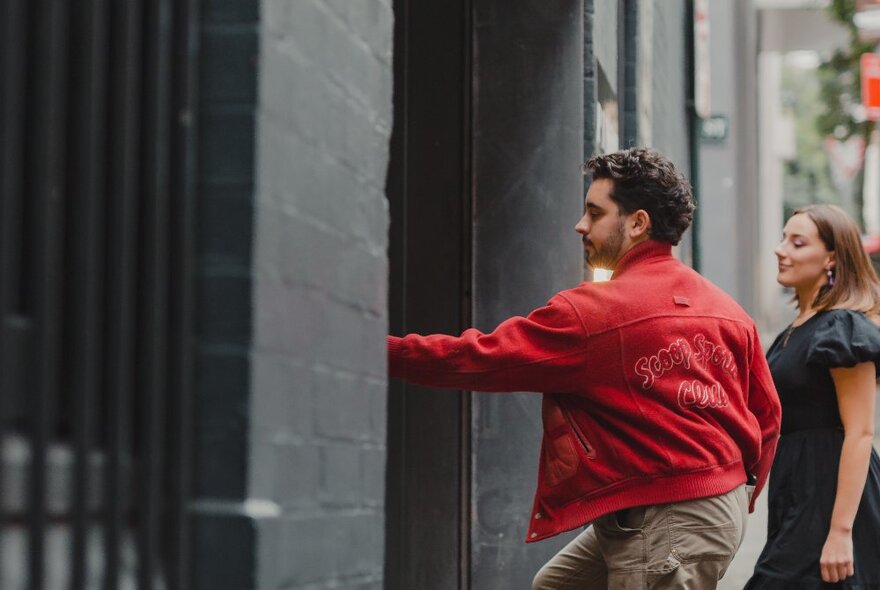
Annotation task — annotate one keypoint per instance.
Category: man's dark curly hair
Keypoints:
(645, 179)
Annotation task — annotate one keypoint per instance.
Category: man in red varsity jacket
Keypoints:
(658, 407)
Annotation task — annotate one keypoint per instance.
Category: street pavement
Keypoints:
(740, 569)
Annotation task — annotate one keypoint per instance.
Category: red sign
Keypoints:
(871, 85)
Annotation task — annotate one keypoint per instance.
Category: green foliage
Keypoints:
(844, 12)
(840, 79)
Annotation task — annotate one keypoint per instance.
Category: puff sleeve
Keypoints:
(844, 339)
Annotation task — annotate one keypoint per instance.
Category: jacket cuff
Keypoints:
(395, 355)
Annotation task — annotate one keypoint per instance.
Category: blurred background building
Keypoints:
(212, 212)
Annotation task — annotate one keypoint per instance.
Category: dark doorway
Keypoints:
(428, 189)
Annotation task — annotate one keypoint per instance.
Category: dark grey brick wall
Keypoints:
(224, 532)
(227, 101)
(320, 293)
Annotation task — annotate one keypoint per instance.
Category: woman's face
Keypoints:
(803, 257)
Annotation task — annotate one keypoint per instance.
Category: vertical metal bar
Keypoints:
(16, 348)
(44, 190)
(13, 325)
(154, 312)
(87, 184)
(183, 175)
(628, 50)
(12, 350)
(693, 120)
(590, 87)
(14, 56)
(124, 177)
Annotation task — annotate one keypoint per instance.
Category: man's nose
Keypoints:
(582, 226)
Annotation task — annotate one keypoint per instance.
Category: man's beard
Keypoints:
(608, 254)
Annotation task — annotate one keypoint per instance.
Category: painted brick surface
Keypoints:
(320, 291)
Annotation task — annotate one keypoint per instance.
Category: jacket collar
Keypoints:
(647, 250)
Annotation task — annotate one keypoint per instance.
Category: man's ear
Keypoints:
(639, 224)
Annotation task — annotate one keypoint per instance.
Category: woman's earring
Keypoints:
(830, 277)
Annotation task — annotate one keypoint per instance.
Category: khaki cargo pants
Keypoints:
(679, 545)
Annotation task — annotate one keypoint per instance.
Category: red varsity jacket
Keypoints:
(655, 386)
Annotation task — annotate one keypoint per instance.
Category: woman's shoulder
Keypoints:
(843, 337)
(845, 314)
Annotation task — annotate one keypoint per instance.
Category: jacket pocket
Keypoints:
(588, 448)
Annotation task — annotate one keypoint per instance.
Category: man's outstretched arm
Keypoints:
(545, 351)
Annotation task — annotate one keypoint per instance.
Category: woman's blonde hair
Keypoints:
(856, 285)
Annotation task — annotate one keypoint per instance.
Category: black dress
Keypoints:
(803, 481)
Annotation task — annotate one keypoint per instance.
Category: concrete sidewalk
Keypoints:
(756, 533)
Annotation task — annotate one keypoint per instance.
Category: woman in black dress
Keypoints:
(824, 500)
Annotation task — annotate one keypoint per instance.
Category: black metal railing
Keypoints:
(96, 242)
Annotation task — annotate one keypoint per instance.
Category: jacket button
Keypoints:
(538, 515)
(533, 535)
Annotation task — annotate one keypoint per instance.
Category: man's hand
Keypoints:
(836, 562)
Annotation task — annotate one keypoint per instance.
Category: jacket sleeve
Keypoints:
(545, 351)
(764, 405)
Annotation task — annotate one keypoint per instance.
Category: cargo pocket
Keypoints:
(663, 576)
(706, 544)
(706, 529)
